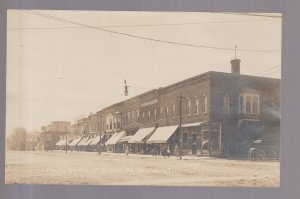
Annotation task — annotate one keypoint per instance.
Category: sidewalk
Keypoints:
(184, 157)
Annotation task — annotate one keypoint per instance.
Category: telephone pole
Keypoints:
(180, 117)
(100, 141)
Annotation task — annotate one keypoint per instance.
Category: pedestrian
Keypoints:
(126, 151)
(168, 151)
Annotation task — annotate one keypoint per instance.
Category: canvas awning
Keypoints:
(75, 141)
(61, 143)
(191, 124)
(162, 134)
(115, 138)
(204, 142)
(96, 140)
(87, 142)
(141, 134)
(81, 143)
(124, 139)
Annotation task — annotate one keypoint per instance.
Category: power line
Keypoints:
(138, 25)
(267, 70)
(142, 37)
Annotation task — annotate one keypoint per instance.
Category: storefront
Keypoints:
(137, 142)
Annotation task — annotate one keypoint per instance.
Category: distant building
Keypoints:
(52, 133)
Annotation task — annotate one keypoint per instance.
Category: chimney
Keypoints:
(235, 66)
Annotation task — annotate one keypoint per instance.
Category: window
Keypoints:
(115, 123)
(133, 117)
(143, 116)
(188, 110)
(161, 113)
(110, 124)
(255, 104)
(154, 114)
(249, 103)
(118, 122)
(138, 116)
(149, 115)
(204, 104)
(241, 104)
(226, 104)
(128, 118)
(196, 106)
(184, 140)
(167, 112)
(174, 110)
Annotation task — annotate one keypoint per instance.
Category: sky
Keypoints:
(64, 65)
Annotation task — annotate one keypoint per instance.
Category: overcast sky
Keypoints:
(63, 71)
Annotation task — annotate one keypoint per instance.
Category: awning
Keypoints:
(191, 124)
(75, 141)
(162, 134)
(204, 142)
(141, 134)
(96, 140)
(115, 138)
(125, 139)
(81, 143)
(61, 142)
(87, 142)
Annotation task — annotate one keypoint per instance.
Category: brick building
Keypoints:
(222, 114)
(52, 133)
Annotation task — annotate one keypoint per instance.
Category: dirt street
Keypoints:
(57, 167)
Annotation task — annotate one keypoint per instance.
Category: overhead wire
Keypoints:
(143, 37)
(137, 25)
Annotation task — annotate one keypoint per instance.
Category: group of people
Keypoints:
(165, 151)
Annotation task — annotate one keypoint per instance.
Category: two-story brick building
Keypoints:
(221, 114)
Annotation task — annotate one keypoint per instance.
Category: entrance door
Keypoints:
(194, 144)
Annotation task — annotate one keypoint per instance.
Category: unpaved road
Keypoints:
(57, 167)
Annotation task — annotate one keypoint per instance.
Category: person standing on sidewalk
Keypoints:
(168, 151)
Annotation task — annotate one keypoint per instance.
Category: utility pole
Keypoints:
(99, 150)
(180, 134)
(66, 143)
(66, 140)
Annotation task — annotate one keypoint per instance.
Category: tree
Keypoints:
(17, 140)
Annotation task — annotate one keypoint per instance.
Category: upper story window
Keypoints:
(188, 110)
(115, 123)
(174, 110)
(249, 103)
(167, 111)
(118, 122)
(110, 124)
(138, 114)
(133, 117)
(143, 115)
(226, 104)
(149, 115)
(196, 106)
(204, 104)
(128, 118)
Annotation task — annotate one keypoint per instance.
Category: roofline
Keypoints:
(191, 79)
